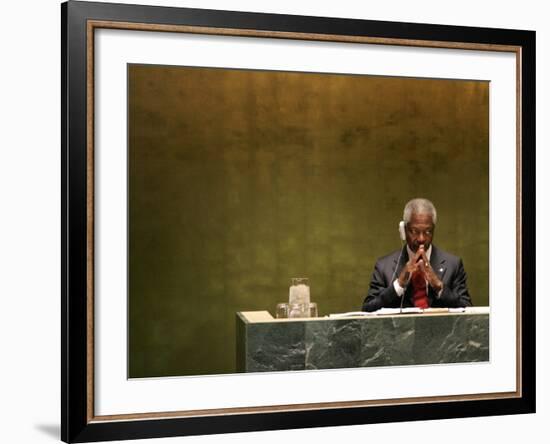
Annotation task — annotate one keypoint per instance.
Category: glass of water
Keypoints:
(281, 311)
(313, 312)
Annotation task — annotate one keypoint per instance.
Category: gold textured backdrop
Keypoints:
(240, 180)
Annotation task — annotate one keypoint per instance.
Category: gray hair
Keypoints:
(419, 206)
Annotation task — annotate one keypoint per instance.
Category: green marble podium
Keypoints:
(265, 344)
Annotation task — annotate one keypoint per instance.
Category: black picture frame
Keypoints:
(77, 421)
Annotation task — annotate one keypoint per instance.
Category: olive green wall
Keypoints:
(240, 180)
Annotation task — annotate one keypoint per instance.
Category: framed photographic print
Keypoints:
(232, 188)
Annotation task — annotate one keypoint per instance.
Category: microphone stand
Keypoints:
(393, 277)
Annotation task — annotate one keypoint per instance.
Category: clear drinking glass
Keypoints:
(298, 298)
(313, 312)
(299, 281)
(281, 311)
(298, 310)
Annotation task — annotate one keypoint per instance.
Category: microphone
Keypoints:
(403, 240)
(401, 305)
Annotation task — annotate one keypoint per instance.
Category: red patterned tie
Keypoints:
(420, 295)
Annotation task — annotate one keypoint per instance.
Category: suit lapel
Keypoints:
(402, 261)
(437, 261)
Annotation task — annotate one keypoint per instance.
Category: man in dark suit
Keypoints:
(420, 274)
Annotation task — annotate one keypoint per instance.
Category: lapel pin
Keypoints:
(441, 270)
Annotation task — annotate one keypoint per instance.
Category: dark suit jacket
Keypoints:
(449, 268)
